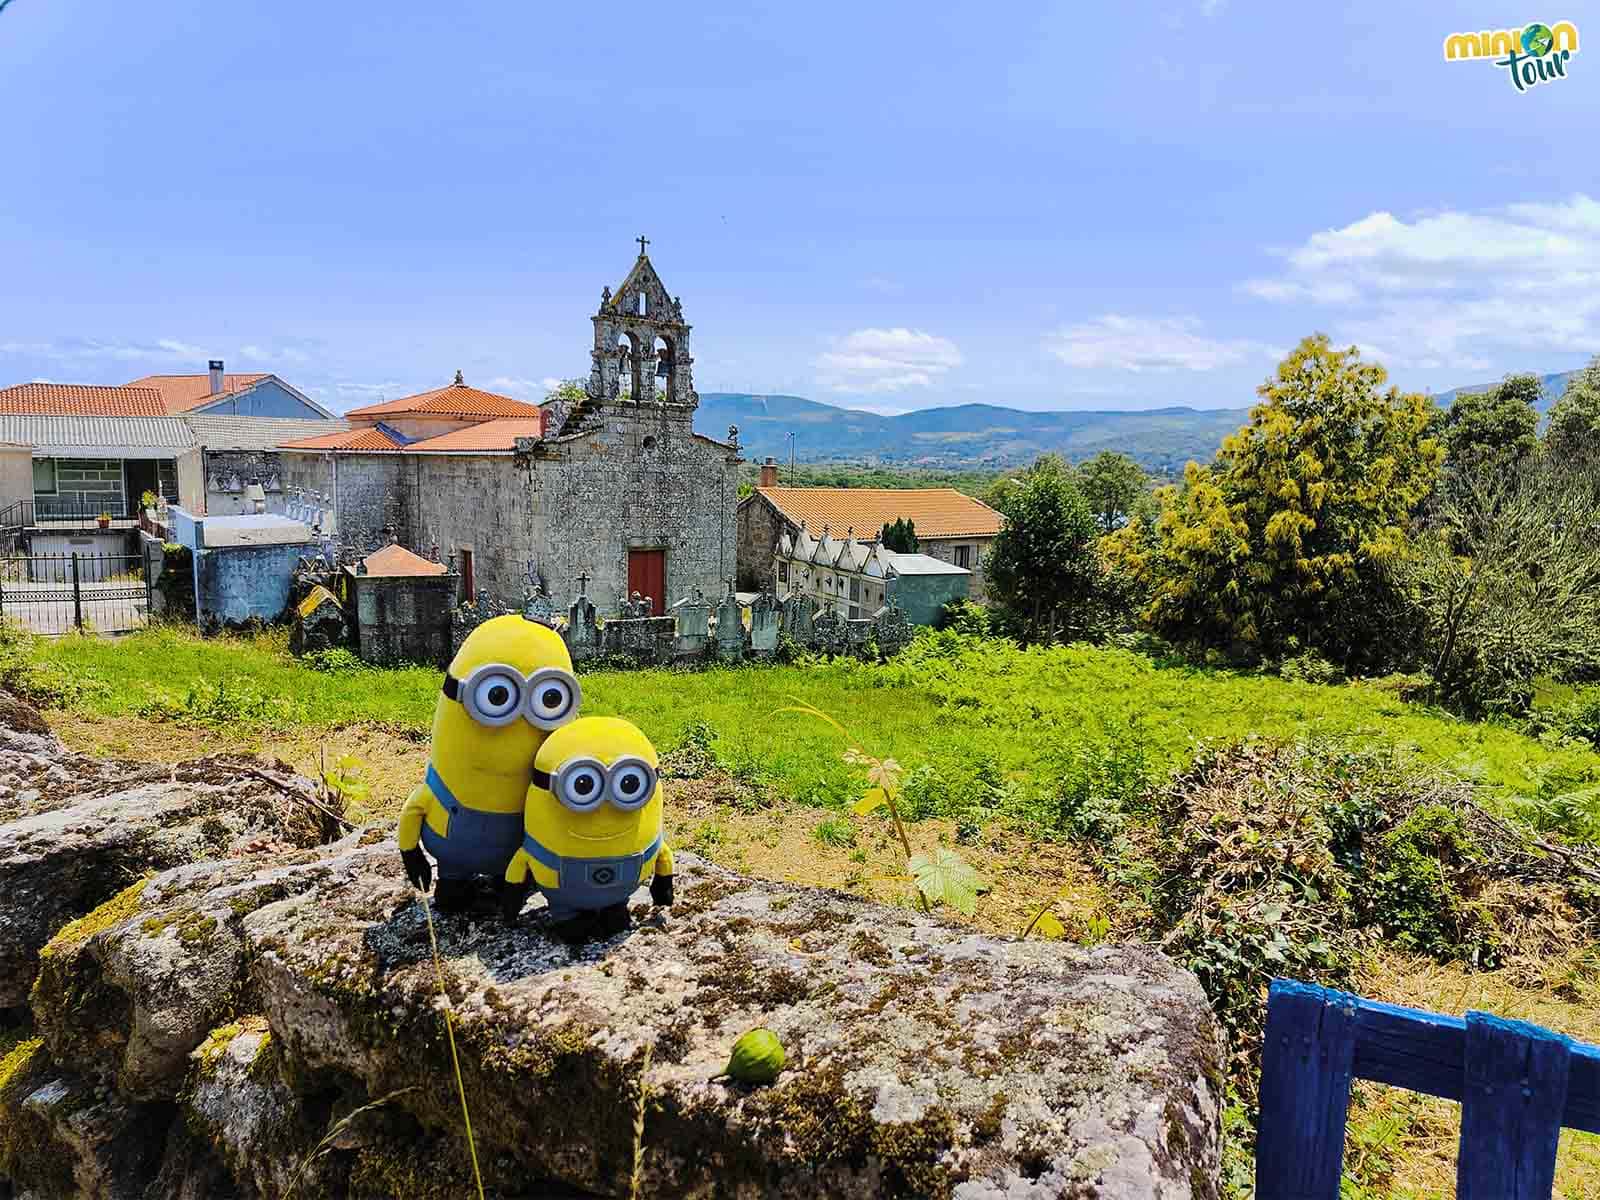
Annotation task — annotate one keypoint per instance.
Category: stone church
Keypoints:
(615, 494)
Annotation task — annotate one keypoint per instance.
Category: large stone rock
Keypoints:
(77, 830)
(268, 1022)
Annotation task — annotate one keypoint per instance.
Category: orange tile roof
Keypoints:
(81, 400)
(397, 560)
(499, 434)
(457, 400)
(180, 393)
(366, 438)
(937, 512)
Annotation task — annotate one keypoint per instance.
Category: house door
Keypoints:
(141, 477)
(647, 575)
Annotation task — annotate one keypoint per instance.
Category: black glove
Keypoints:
(419, 871)
(661, 890)
(512, 897)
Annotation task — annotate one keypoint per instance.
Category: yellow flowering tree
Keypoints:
(1287, 539)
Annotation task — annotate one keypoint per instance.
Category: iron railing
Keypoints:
(59, 593)
(51, 512)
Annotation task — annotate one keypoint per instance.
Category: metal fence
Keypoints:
(59, 593)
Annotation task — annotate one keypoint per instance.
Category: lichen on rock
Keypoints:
(273, 1022)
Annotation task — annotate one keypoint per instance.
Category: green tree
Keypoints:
(1288, 539)
(1499, 426)
(1112, 483)
(1043, 569)
(900, 535)
(1507, 580)
(1574, 431)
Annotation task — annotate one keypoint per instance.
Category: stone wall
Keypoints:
(402, 619)
(642, 479)
(479, 503)
(945, 550)
(760, 527)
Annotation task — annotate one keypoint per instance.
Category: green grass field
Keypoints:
(1013, 719)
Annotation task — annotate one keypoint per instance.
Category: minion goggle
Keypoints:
(584, 784)
(495, 694)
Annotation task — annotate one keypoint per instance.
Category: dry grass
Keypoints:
(1402, 1144)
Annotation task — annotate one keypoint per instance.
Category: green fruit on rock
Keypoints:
(757, 1057)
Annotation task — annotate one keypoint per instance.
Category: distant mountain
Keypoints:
(1553, 386)
(969, 435)
(987, 435)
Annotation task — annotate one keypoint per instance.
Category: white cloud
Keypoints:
(1210, 8)
(1148, 344)
(886, 360)
(1446, 289)
(883, 286)
(522, 389)
(162, 350)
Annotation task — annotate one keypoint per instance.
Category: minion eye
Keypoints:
(494, 697)
(632, 783)
(581, 786)
(553, 697)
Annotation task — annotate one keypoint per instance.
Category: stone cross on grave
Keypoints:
(583, 583)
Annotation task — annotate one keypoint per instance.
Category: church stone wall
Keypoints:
(641, 480)
(479, 503)
(760, 527)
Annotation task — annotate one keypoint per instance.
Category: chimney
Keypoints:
(769, 473)
(215, 367)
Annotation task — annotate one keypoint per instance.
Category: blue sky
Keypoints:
(881, 205)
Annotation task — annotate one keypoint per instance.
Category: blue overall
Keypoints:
(588, 883)
(476, 842)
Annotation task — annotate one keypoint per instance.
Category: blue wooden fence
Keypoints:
(1518, 1085)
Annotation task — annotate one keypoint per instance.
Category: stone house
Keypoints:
(617, 495)
(951, 526)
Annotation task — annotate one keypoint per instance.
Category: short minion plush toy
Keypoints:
(507, 688)
(592, 826)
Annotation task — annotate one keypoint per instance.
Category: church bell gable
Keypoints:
(641, 344)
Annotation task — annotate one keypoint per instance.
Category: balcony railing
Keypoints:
(66, 515)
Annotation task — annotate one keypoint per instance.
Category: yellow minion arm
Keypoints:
(411, 817)
(664, 860)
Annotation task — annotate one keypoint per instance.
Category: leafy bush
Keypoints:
(44, 684)
(1577, 718)
(1309, 667)
(334, 660)
(1293, 860)
(964, 617)
(218, 705)
(695, 754)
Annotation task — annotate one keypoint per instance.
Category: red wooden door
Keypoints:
(647, 575)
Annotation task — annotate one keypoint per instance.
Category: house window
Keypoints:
(964, 556)
(855, 589)
(44, 476)
(783, 572)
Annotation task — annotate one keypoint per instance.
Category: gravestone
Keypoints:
(693, 617)
(536, 606)
(828, 633)
(648, 641)
(730, 628)
(764, 614)
(469, 614)
(893, 630)
(798, 614)
(858, 632)
(582, 633)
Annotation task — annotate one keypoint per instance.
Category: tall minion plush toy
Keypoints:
(592, 829)
(507, 688)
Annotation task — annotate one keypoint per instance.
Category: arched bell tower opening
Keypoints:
(641, 348)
